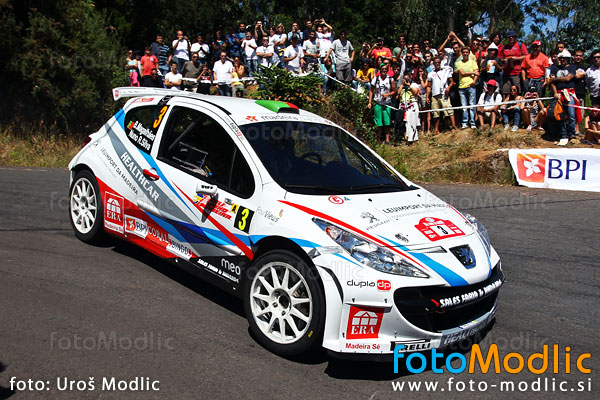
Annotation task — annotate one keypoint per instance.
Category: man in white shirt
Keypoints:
(265, 53)
(222, 73)
(294, 56)
(249, 46)
(279, 41)
(488, 101)
(173, 79)
(201, 48)
(181, 50)
(438, 92)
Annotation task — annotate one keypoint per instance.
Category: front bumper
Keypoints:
(420, 318)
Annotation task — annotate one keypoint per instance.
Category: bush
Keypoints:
(278, 84)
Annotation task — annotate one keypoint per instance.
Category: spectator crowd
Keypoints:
(412, 87)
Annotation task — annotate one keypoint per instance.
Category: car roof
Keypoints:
(242, 111)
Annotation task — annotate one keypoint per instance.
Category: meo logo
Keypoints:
(531, 167)
(364, 323)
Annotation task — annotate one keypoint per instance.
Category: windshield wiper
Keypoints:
(316, 187)
(382, 186)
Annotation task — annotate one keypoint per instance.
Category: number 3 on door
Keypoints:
(243, 219)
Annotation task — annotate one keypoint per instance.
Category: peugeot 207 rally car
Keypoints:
(322, 239)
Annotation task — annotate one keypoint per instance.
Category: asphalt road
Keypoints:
(59, 298)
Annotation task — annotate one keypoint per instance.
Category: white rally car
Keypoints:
(322, 239)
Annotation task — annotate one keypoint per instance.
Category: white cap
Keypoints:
(492, 47)
(564, 54)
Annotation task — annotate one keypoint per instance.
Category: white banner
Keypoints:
(568, 169)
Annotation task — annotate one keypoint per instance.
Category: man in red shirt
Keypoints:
(513, 54)
(149, 62)
(380, 50)
(533, 67)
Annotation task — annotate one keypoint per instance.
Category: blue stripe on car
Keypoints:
(448, 275)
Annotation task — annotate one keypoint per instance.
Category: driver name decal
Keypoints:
(436, 229)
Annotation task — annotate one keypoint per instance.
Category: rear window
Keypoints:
(141, 125)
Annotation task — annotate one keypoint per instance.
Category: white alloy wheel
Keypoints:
(84, 207)
(281, 302)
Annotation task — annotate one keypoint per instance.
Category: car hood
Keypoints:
(406, 219)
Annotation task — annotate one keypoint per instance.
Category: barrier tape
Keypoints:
(585, 108)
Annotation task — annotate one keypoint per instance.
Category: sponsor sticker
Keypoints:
(384, 285)
(436, 229)
(336, 200)
(531, 167)
(113, 212)
(412, 345)
(364, 322)
(136, 226)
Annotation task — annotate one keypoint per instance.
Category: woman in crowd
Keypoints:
(512, 110)
(422, 84)
(204, 80)
(133, 65)
(533, 113)
(239, 72)
(409, 91)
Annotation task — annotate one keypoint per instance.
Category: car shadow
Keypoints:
(5, 393)
(184, 278)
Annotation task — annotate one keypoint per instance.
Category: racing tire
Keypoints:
(85, 208)
(284, 303)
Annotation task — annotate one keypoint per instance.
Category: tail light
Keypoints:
(86, 141)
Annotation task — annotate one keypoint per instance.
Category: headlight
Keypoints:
(370, 254)
(483, 234)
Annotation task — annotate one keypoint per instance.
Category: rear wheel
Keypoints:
(85, 207)
(284, 303)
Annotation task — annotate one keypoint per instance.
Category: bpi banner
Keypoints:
(568, 169)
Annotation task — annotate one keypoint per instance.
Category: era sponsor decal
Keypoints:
(383, 285)
(437, 229)
(113, 212)
(412, 345)
(531, 167)
(364, 322)
(136, 226)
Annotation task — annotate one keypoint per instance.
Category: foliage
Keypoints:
(572, 21)
(64, 67)
(278, 84)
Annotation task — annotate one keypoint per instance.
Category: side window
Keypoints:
(141, 125)
(196, 143)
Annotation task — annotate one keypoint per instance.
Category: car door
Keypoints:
(215, 188)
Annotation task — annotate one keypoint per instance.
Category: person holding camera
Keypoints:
(181, 50)
(383, 89)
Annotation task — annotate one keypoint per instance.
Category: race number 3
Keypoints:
(243, 219)
(158, 119)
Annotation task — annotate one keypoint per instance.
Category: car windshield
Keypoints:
(311, 158)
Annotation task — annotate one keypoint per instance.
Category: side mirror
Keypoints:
(206, 189)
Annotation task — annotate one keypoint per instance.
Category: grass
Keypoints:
(28, 150)
(467, 156)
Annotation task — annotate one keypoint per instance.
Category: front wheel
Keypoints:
(284, 303)
(85, 207)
